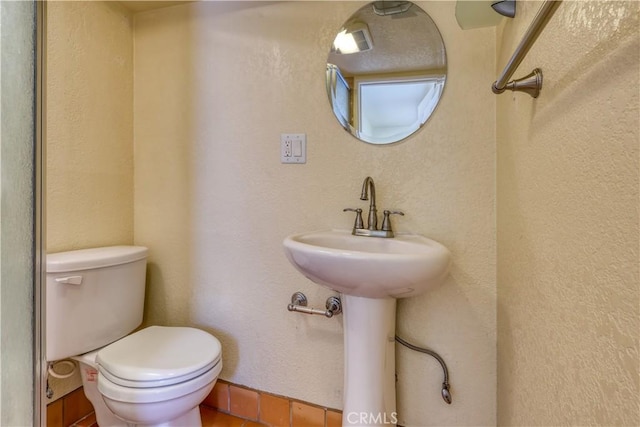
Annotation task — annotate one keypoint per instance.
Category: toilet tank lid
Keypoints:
(85, 259)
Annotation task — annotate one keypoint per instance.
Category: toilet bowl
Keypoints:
(156, 376)
(182, 410)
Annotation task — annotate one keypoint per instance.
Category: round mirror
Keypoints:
(386, 71)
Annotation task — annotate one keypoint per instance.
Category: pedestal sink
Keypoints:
(370, 273)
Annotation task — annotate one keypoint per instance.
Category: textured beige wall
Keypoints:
(568, 281)
(89, 132)
(215, 85)
(89, 125)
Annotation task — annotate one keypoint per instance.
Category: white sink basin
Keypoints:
(372, 267)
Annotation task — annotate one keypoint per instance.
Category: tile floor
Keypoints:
(210, 418)
(213, 418)
(228, 405)
(269, 409)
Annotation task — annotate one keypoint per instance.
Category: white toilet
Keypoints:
(157, 376)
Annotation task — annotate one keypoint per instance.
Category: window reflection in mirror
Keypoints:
(386, 71)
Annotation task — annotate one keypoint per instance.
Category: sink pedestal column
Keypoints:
(370, 362)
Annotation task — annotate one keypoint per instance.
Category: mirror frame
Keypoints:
(400, 64)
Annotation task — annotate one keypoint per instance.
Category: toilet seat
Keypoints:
(113, 391)
(159, 356)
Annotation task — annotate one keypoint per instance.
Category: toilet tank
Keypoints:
(94, 297)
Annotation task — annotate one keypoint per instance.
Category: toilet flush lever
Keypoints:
(70, 280)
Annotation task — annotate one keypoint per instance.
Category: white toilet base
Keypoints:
(159, 414)
(191, 418)
(104, 416)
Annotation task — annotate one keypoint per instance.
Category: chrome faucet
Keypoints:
(369, 193)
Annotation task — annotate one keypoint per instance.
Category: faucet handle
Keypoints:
(358, 223)
(386, 222)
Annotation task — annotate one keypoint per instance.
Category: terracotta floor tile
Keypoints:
(219, 397)
(212, 418)
(88, 421)
(54, 414)
(243, 402)
(76, 407)
(275, 410)
(303, 415)
(334, 419)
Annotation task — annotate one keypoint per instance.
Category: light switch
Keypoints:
(297, 148)
(293, 148)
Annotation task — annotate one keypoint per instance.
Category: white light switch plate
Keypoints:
(293, 148)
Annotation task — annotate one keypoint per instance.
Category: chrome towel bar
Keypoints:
(531, 83)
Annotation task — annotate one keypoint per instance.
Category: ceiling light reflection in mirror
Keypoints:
(386, 71)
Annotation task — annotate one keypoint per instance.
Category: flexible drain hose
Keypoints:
(446, 395)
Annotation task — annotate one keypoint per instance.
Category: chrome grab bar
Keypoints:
(532, 83)
(299, 304)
